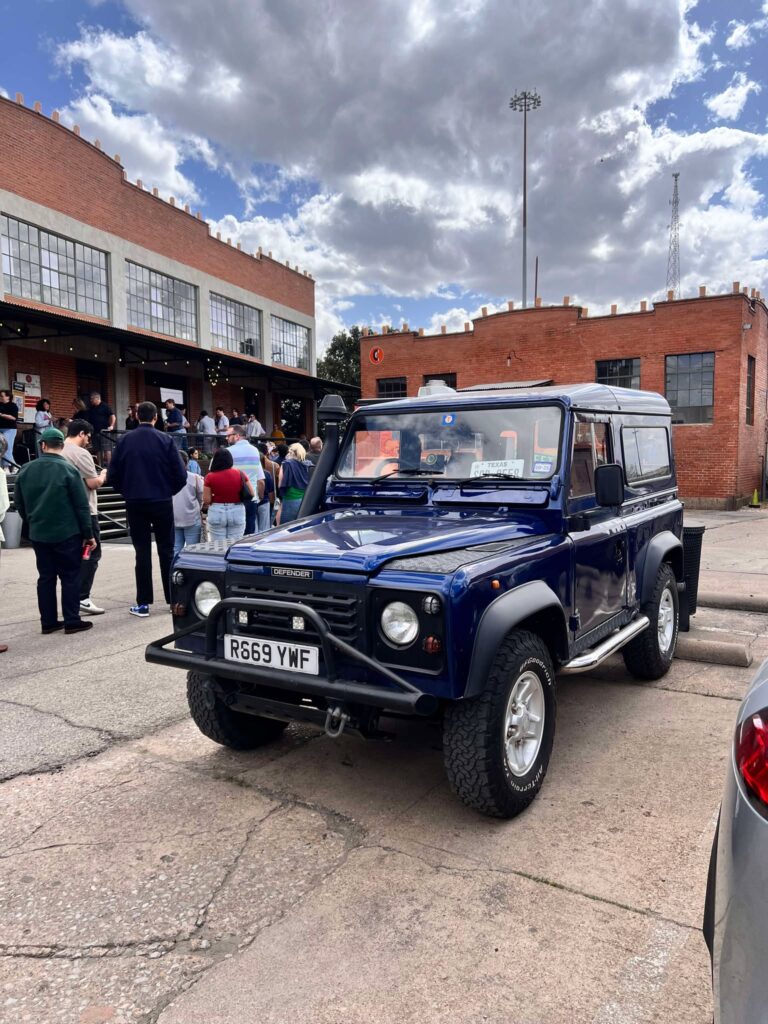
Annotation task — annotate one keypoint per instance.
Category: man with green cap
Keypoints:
(50, 497)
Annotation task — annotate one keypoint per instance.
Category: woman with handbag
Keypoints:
(224, 492)
(293, 482)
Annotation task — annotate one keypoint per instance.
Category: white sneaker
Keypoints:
(89, 608)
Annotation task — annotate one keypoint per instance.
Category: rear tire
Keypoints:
(221, 724)
(497, 746)
(650, 655)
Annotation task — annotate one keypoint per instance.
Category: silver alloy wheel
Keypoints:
(524, 723)
(666, 623)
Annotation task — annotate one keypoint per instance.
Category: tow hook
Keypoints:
(335, 721)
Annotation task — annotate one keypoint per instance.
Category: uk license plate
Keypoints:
(272, 654)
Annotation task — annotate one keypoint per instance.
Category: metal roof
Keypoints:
(509, 385)
(589, 397)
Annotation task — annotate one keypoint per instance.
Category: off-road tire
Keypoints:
(643, 656)
(473, 733)
(223, 725)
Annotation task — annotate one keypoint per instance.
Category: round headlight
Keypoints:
(206, 596)
(399, 623)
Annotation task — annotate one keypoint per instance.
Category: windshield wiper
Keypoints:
(408, 472)
(487, 476)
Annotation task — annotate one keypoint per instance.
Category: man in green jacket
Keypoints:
(50, 497)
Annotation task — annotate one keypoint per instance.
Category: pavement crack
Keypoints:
(529, 877)
(106, 734)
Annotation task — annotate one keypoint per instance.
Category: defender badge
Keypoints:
(294, 574)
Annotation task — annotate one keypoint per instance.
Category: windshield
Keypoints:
(493, 443)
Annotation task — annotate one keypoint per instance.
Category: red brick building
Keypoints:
(106, 286)
(707, 355)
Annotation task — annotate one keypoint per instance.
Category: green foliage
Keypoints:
(341, 361)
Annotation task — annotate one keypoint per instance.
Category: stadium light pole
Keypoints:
(525, 101)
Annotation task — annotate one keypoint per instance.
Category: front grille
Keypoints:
(342, 613)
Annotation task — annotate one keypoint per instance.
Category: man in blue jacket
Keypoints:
(147, 470)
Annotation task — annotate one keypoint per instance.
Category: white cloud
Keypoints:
(402, 160)
(729, 104)
(744, 33)
(147, 149)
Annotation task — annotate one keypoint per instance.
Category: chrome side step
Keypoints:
(589, 659)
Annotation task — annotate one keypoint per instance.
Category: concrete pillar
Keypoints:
(122, 394)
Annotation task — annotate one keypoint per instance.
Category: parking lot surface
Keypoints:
(147, 875)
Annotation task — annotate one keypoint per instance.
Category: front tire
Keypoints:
(497, 746)
(221, 724)
(650, 655)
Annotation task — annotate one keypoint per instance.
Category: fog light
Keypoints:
(433, 645)
(431, 604)
(242, 618)
(178, 577)
(297, 622)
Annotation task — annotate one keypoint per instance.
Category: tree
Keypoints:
(341, 361)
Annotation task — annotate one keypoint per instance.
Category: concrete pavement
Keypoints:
(147, 875)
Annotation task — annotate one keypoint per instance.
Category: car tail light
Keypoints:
(752, 754)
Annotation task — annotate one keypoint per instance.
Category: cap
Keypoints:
(52, 434)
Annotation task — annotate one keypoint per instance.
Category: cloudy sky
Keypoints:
(371, 141)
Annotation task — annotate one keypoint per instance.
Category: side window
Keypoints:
(646, 453)
(590, 449)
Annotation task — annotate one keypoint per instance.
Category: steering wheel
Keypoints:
(384, 462)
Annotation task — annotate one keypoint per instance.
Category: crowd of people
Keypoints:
(171, 491)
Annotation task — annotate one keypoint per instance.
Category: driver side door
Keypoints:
(599, 553)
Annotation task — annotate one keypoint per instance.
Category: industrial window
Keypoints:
(235, 326)
(646, 453)
(750, 391)
(449, 379)
(690, 385)
(392, 387)
(618, 373)
(160, 303)
(40, 265)
(290, 343)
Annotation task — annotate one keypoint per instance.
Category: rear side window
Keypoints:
(646, 453)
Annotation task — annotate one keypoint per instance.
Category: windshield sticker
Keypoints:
(542, 467)
(449, 419)
(504, 467)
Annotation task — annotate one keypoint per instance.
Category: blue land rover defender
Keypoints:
(454, 552)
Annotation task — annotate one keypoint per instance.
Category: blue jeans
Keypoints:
(184, 535)
(9, 433)
(290, 510)
(263, 517)
(226, 521)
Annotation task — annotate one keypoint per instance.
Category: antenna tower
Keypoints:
(673, 260)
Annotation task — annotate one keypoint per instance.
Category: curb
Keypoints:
(713, 652)
(736, 602)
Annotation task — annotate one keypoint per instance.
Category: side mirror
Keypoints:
(609, 485)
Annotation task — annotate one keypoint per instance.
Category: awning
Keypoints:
(22, 323)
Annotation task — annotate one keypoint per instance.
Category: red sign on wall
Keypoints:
(376, 355)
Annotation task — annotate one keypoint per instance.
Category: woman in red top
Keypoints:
(222, 494)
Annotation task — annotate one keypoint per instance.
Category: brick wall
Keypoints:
(58, 380)
(48, 164)
(721, 461)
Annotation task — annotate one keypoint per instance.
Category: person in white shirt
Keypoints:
(253, 428)
(222, 423)
(246, 458)
(206, 425)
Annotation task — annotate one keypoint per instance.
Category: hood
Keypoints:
(362, 541)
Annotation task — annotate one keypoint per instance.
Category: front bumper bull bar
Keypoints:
(405, 697)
